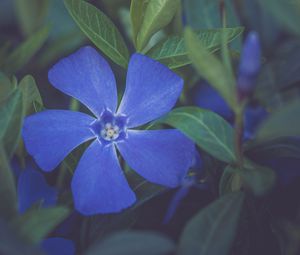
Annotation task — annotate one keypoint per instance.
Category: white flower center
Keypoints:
(110, 132)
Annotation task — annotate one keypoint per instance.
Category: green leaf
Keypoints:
(30, 93)
(207, 129)
(11, 119)
(259, 179)
(211, 68)
(158, 14)
(212, 230)
(137, 11)
(25, 51)
(284, 122)
(100, 30)
(8, 194)
(31, 14)
(35, 225)
(133, 243)
(287, 12)
(173, 53)
(11, 244)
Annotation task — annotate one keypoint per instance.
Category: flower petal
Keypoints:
(58, 246)
(99, 185)
(51, 135)
(33, 188)
(151, 90)
(160, 156)
(86, 76)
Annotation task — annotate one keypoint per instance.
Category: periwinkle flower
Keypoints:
(98, 184)
(189, 181)
(250, 63)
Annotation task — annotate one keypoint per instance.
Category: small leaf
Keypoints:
(6, 86)
(8, 194)
(11, 244)
(211, 68)
(30, 93)
(284, 122)
(230, 181)
(137, 11)
(173, 53)
(157, 15)
(35, 225)
(11, 119)
(212, 230)
(100, 30)
(133, 243)
(258, 178)
(210, 132)
(25, 51)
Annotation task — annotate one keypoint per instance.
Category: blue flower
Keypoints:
(33, 188)
(98, 184)
(189, 181)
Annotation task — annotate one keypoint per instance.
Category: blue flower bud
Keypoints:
(250, 63)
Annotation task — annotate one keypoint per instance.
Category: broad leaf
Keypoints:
(284, 122)
(133, 243)
(173, 53)
(207, 129)
(25, 51)
(211, 68)
(11, 119)
(35, 225)
(100, 30)
(157, 15)
(212, 230)
(8, 195)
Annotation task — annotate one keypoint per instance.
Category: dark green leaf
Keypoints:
(158, 14)
(284, 122)
(11, 119)
(25, 51)
(207, 129)
(137, 9)
(31, 14)
(211, 68)
(133, 243)
(287, 12)
(277, 148)
(172, 51)
(11, 244)
(8, 195)
(212, 230)
(35, 225)
(100, 30)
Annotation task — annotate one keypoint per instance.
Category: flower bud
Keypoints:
(250, 63)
